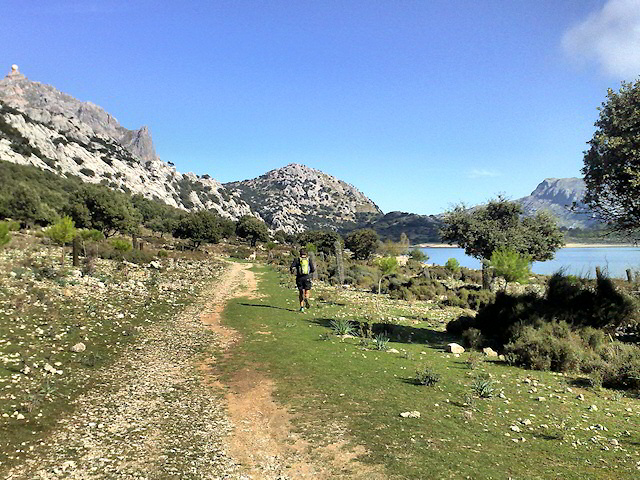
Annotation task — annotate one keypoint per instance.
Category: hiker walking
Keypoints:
(303, 267)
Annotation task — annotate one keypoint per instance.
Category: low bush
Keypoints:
(426, 376)
(473, 338)
(555, 346)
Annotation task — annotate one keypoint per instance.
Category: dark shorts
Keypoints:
(303, 282)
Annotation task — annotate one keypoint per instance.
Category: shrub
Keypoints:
(426, 376)
(460, 324)
(120, 245)
(342, 326)
(5, 235)
(472, 338)
(381, 341)
(474, 360)
(483, 386)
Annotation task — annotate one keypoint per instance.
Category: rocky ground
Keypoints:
(152, 416)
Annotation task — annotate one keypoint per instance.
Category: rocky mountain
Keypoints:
(297, 198)
(556, 196)
(41, 126)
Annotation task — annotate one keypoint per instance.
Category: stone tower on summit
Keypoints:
(15, 74)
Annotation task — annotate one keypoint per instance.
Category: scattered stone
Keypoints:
(526, 421)
(593, 408)
(393, 350)
(412, 414)
(515, 428)
(580, 397)
(489, 352)
(155, 265)
(541, 399)
(614, 442)
(20, 417)
(455, 348)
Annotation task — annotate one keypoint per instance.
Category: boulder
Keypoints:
(490, 352)
(79, 347)
(455, 348)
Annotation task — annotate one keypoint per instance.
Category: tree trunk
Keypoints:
(76, 250)
(486, 279)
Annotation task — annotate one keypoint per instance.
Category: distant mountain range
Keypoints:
(51, 130)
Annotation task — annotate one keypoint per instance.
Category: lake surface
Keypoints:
(575, 260)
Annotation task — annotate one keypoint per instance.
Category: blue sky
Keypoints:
(419, 104)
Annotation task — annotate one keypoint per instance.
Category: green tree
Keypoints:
(323, 240)
(61, 233)
(362, 243)
(418, 255)
(253, 229)
(199, 227)
(511, 265)
(24, 205)
(452, 266)
(97, 207)
(498, 224)
(387, 266)
(612, 163)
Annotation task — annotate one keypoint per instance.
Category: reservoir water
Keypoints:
(574, 260)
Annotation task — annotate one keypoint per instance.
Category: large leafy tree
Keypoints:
(97, 207)
(324, 241)
(252, 229)
(199, 227)
(498, 224)
(362, 243)
(612, 163)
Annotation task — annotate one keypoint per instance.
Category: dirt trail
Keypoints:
(262, 440)
(159, 414)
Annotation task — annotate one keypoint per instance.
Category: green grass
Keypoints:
(335, 384)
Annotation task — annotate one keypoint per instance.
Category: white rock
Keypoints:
(580, 397)
(79, 347)
(393, 350)
(515, 428)
(455, 348)
(412, 414)
(526, 421)
(489, 352)
(541, 399)
(593, 408)
(20, 417)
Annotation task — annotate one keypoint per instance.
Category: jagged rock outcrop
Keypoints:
(556, 196)
(297, 198)
(41, 126)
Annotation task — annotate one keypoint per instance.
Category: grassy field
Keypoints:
(531, 425)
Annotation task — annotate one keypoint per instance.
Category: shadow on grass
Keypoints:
(267, 306)
(399, 333)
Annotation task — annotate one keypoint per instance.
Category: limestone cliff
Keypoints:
(41, 126)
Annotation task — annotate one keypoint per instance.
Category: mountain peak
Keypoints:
(295, 198)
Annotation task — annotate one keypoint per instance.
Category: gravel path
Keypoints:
(154, 415)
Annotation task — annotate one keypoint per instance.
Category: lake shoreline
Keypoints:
(568, 245)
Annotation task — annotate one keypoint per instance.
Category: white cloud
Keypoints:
(610, 37)
(477, 173)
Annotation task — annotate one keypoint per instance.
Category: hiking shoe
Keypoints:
(302, 309)
(306, 303)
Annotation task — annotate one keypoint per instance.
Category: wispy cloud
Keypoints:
(479, 173)
(610, 37)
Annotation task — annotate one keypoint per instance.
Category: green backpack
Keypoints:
(304, 266)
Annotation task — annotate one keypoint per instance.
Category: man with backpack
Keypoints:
(303, 267)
